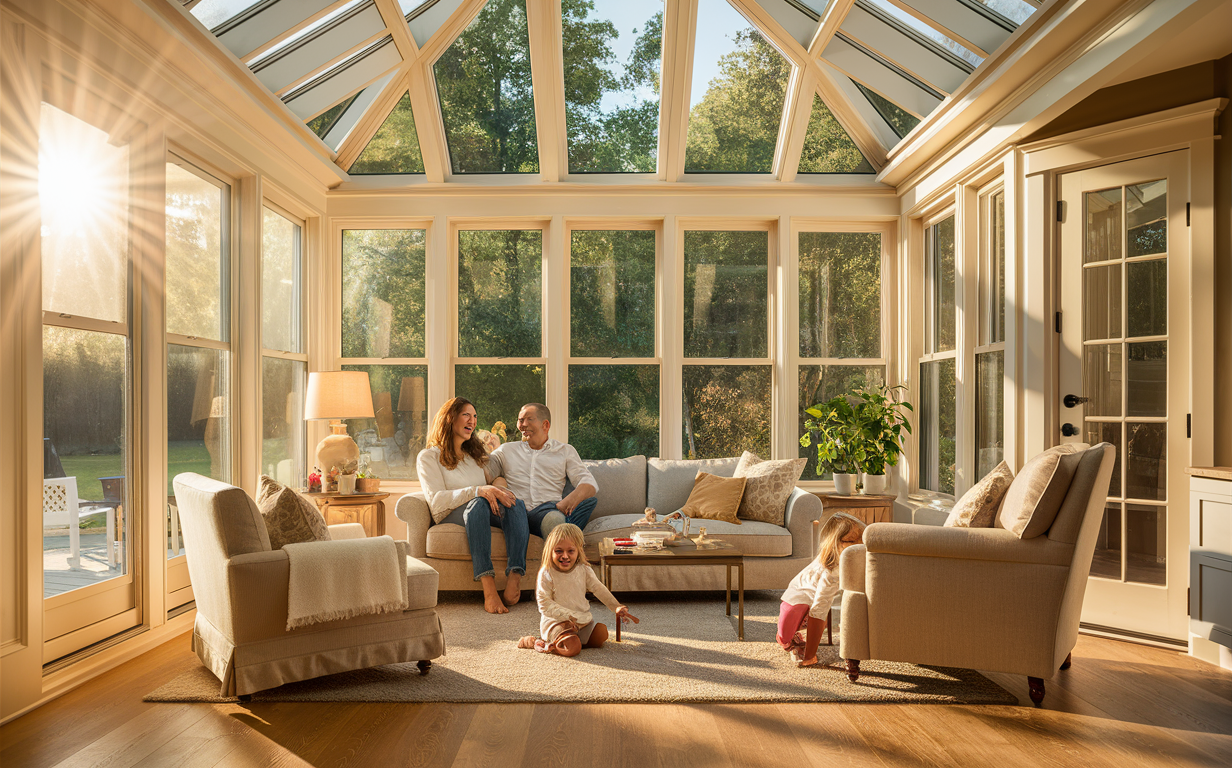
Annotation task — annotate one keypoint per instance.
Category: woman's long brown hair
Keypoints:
(441, 435)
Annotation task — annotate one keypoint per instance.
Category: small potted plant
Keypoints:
(367, 481)
(882, 416)
(835, 429)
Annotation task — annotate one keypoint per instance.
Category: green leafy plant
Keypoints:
(882, 415)
(836, 429)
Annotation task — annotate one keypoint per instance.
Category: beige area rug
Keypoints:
(684, 650)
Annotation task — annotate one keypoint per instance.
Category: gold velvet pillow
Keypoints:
(768, 485)
(715, 498)
(978, 507)
(289, 517)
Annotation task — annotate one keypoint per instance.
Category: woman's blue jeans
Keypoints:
(479, 519)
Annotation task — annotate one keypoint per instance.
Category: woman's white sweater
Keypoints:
(447, 489)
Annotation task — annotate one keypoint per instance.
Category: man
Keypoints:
(536, 470)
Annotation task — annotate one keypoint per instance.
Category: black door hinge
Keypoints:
(1058, 322)
(1189, 425)
(1187, 214)
(1061, 211)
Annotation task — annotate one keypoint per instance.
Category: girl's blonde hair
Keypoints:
(555, 536)
(441, 436)
(832, 534)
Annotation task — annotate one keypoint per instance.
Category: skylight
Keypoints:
(321, 124)
(827, 147)
(914, 24)
(215, 13)
(897, 118)
(315, 26)
(395, 147)
(612, 54)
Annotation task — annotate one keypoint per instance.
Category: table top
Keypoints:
(858, 500)
(685, 551)
(1219, 473)
(334, 496)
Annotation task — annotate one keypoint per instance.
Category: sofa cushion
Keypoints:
(289, 517)
(715, 498)
(422, 581)
(668, 482)
(767, 486)
(978, 507)
(1034, 498)
(447, 541)
(622, 485)
(754, 539)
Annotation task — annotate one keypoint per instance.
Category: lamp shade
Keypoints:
(338, 395)
(411, 397)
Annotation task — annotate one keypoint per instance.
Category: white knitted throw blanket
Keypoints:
(334, 580)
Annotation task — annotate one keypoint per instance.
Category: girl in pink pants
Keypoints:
(806, 603)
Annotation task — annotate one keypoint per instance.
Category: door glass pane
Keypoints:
(612, 294)
(726, 285)
(1148, 298)
(1147, 461)
(500, 294)
(1106, 562)
(1101, 379)
(726, 410)
(1146, 213)
(614, 410)
(85, 385)
(942, 314)
(1148, 379)
(383, 292)
(819, 383)
(83, 187)
(281, 285)
(390, 442)
(1101, 302)
(1108, 432)
(499, 392)
(840, 294)
(283, 435)
(989, 412)
(198, 422)
(1146, 544)
(938, 425)
(1103, 240)
(196, 255)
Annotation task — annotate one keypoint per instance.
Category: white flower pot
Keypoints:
(346, 484)
(844, 483)
(874, 485)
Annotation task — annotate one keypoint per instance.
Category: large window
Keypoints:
(938, 416)
(990, 347)
(284, 358)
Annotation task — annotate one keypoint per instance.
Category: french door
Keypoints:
(1123, 379)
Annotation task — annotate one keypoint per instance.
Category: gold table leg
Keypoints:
(741, 633)
(728, 567)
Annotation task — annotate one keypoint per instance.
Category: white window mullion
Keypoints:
(671, 338)
(967, 318)
(555, 316)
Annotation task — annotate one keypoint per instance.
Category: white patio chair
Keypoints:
(60, 508)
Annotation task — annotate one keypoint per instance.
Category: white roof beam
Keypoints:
(316, 97)
(354, 112)
(868, 113)
(799, 25)
(429, 123)
(958, 22)
(846, 111)
(253, 32)
(921, 60)
(880, 77)
(836, 11)
(676, 73)
(318, 51)
(794, 125)
(445, 32)
(547, 74)
(395, 22)
(427, 21)
(371, 121)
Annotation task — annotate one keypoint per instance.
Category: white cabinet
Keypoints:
(1210, 563)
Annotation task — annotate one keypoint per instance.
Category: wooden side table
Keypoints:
(870, 509)
(367, 509)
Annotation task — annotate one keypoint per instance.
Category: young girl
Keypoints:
(565, 577)
(808, 597)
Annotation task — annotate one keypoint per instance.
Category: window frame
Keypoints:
(945, 209)
(982, 286)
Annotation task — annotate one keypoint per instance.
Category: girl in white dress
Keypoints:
(806, 603)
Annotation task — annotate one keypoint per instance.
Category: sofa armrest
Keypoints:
(346, 531)
(851, 568)
(993, 544)
(802, 509)
(257, 585)
(413, 510)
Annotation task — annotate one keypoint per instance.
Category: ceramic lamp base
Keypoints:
(337, 450)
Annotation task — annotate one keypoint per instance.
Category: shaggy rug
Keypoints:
(684, 650)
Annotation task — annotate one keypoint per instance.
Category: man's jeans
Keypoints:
(478, 519)
(543, 518)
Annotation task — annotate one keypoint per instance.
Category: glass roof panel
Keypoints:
(613, 50)
(739, 85)
(901, 121)
(320, 23)
(914, 24)
(428, 17)
(214, 13)
(321, 124)
(827, 147)
(410, 5)
(484, 84)
(1016, 11)
(395, 147)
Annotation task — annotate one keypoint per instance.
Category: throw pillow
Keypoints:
(768, 485)
(715, 498)
(978, 506)
(289, 517)
(1035, 496)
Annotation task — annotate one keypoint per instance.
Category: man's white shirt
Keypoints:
(538, 477)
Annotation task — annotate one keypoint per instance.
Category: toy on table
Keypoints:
(648, 520)
(703, 541)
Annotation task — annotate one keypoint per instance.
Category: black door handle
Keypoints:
(1069, 430)
(1071, 401)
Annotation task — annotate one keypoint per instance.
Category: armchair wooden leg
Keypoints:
(830, 627)
(1068, 660)
(424, 667)
(1037, 690)
(853, 669)
(245, 697)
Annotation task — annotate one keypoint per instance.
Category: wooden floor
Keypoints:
(1119, 706)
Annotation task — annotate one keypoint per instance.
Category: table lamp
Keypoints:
(338, 395)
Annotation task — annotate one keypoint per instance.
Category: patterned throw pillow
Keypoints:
(978, 506)
(769, 484)
(715, 498)
(289, 517)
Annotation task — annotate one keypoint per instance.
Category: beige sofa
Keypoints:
(241, 590)
(976, 598)
(773, 554)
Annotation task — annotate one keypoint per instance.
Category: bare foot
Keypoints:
(808, 662)
(513, 589)
(492, 604)
(527, 642)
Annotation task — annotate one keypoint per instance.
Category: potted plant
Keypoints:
(882, 414)
(835, 428)
(366, 481)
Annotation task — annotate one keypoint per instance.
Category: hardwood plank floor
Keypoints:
(1119, 705)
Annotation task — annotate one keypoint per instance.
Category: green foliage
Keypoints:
(614, 410)
(85, 386)
(612, 293)
(938, 425)
(322, 123)
(883, 417)
(383, 292)
(858, 432)
(840, 294)
(726, 282)
(194, 225)
(500, 289)
(499, 391)
(819, 383)
(726, 410)
(395, 147)
(827, 147)
(734, 128)
(899, 119)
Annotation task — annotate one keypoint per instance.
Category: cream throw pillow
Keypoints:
(715, 498)
(768, 485)
(978, 507)
(289, 517)
(1035, 496)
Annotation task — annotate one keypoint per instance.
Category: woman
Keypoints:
(451, 473)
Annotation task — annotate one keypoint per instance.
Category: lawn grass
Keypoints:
(188, 456)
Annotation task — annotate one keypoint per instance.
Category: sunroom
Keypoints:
(678, 232)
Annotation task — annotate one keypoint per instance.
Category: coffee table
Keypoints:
(687, 553)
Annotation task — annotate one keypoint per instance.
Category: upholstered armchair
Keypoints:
(241, 588)
(976, 598)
